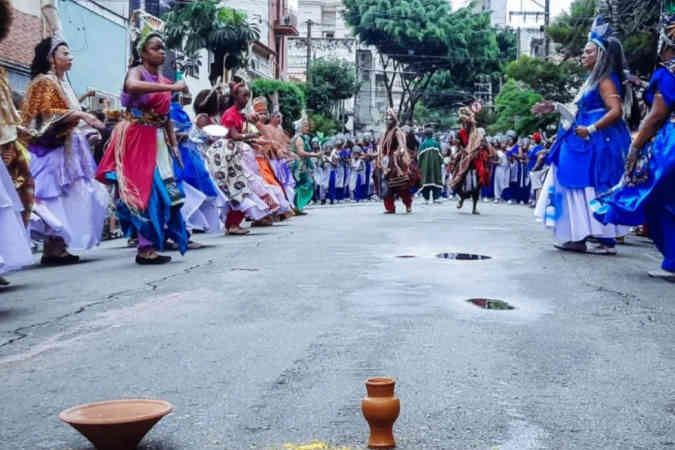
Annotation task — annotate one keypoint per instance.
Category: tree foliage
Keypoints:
(204, 24)
(417, 39)
(555, 81)
(635, 24)
(323, 125)
(291, 98)
(514, 104)
(331, 81)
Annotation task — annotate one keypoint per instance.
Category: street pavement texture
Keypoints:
(267, 340)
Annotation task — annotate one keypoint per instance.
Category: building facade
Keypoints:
(91, 30)
(321, 24)
(498, 12)
(277, 21)
(17, 50)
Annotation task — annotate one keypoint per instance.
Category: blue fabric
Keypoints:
(194, 170)
(159, 222)
(662, 81)
(181, 121)
(345, 155)
(367, 181)
(597, 162)
(651, 201)
(532, 157)
(332, 192)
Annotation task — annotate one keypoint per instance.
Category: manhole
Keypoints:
(406, 256)
(462, 256)
(489, 303)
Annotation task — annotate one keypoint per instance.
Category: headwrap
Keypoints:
(260, 104)
(465, 113)
(536, 137)
(600, 32)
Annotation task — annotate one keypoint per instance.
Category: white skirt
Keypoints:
(14, 243)
(573, 218)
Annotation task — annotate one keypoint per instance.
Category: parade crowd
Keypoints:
(160, 176)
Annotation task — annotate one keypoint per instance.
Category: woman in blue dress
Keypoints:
(647, 191)
(587, 158)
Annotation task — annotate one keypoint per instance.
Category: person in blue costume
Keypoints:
(205, 204)
(587, 158)
(647, 191)
(510, 194)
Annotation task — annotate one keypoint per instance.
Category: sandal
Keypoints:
(4, 281)
(150, 261)
(662, 274)
(60, 260)
(237, 232)
(602, 250)
(192, 245)
(576, 247)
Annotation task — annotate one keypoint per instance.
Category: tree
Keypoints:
(324, 126)
(514, 104)
(555, 81)
(635, 24)
(291, 98)
(223, 31)
(570, 29)
(418, 39)
(332, 82)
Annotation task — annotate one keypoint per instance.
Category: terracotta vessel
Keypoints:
(381, 408)
(117, 424)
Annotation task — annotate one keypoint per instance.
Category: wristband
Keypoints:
(592, 129)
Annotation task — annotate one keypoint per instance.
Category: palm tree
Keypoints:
(225, 32)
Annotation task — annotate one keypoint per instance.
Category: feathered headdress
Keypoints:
(600, 32)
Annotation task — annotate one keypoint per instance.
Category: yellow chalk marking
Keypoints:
(316, 445)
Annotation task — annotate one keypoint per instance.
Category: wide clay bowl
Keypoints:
(116, 424)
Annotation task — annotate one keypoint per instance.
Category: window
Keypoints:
(329, 34)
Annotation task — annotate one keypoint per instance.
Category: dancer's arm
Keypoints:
(648, 128)
(612, 101)
(134, 84)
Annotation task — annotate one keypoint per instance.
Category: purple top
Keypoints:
(138, 101)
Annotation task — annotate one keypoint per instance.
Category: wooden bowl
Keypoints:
(116, 424)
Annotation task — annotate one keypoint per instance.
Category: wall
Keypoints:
(99, 41)
(18, 48)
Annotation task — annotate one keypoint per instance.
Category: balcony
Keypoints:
(287, 25)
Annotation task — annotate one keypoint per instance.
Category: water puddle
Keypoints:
(489, 303)
(406, 256)
(462, 256)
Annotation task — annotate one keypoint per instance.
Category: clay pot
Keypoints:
(381, 408)
(117, 424)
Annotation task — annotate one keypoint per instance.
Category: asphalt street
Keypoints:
(266, 340)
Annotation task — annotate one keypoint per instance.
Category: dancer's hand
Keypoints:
(179, 86)
(541, 108)
(582, 132)
(92, 121)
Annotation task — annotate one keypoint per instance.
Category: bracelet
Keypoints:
(592, 129)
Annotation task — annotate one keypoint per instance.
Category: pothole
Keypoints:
(462, 256)
(490, 303)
